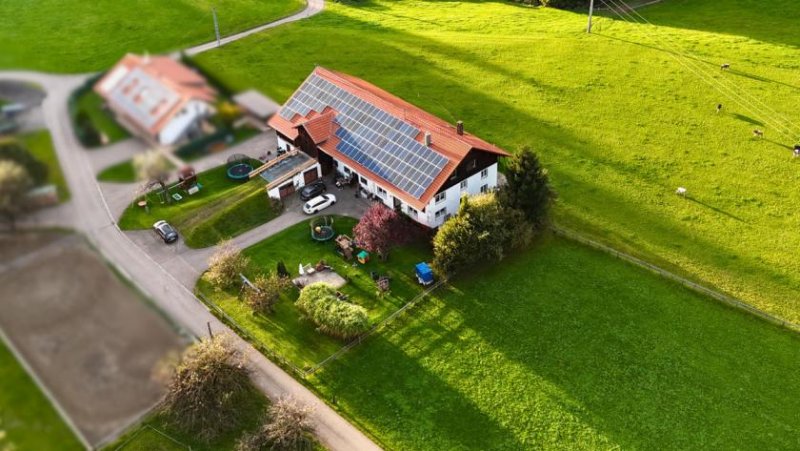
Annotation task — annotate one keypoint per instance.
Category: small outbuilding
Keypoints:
(256, 104)
(288, 173)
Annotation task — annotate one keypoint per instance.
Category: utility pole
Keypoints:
(591, 11)
(216, 25)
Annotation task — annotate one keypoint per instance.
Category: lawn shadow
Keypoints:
(387, 389)
(760, 78)
(711, 207)
(651, 364)
(747, 119)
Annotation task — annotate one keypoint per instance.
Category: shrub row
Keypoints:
(332, 316)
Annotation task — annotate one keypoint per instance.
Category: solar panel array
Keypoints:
(370, 136)
(144, 96)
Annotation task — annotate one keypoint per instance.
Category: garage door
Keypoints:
(310, 175)
(286, 190)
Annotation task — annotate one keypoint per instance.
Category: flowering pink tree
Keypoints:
(382, 228)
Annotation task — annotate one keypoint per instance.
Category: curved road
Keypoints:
(89, 213)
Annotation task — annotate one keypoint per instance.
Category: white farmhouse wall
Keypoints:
(452, 199)
(283, 144)
(190, 116)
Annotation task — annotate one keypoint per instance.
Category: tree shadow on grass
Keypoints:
(386, 388)
(651, 364)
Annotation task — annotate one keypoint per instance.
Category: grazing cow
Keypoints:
(796, 151)
(681, 191)
(719, 108)
(758, 133)
(725, 66)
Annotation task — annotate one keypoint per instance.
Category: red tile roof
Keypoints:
(174, 76)
(445, 139)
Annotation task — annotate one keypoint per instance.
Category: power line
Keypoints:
(694, 68)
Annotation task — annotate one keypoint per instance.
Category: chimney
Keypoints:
(460, 127)
(427, 139)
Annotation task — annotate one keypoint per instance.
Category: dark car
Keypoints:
(166, 232)
(312, 190)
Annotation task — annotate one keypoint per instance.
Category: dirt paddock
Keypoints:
(92, 340)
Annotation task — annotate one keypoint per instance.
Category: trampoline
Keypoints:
(322, 229)
(239, 167)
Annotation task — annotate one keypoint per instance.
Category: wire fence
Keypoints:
(723, 298)
(281, 360)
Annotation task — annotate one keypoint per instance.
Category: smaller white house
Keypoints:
(157, 98)
(288, 173)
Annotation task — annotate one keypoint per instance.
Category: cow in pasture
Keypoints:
(681, 191)
(758, 133)
(725, 66)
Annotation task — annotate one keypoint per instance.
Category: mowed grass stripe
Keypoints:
(565, 347)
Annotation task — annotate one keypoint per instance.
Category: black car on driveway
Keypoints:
(166, 231)
(313, 190)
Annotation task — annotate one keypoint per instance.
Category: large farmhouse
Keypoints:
(157, 98)
(407, 157)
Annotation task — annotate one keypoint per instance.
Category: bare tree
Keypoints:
(14, 186)
(288, 428)
(266, 292)
(152, 168)
(225, 265)
(207, 389)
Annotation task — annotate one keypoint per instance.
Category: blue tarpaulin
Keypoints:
(424, 273)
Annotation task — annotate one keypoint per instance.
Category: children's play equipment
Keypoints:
(322, 228)
(239, 167)
(344, 247)
(363, 257)
(424, 273)
(187, 178)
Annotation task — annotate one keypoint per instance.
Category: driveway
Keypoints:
(186, 264)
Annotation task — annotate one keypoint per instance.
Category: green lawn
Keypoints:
(565, 347)
(27, 419)
(285, 331)
(79, 36)
(119, 173)
(40, 144)
(619, 124)
(222, 209)
(103, 121)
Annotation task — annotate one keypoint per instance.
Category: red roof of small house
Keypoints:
(444, 137)
(150, 90)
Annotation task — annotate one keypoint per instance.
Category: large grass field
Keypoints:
(564, 347)
(285, 331)
(222, 209)
(27, 419)
(619, 123)
(80, 36)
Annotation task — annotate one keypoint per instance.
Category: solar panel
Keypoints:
(375, 139)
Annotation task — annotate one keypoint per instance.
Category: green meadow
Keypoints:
(565, 347)
(617, 120)
(85, 36)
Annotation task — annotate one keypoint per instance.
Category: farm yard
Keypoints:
(618, 122)
(564, 347)
(284, 331)
(223, 208)
(77, 37)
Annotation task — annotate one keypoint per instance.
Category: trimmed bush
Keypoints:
(333, 317)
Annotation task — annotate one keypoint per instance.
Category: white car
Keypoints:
(319, 203)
